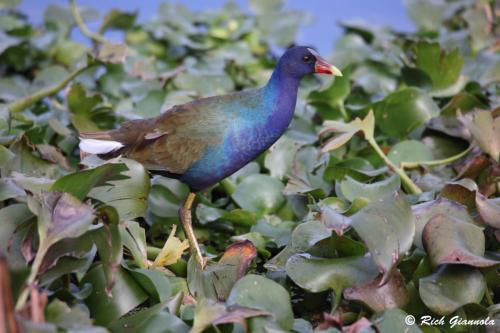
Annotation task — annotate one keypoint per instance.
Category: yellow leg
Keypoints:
(187, 226)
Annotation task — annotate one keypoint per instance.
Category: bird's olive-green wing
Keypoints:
(176, 139)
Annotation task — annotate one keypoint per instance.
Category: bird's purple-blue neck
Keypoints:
(281, 90)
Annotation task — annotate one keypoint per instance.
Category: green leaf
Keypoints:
(346, 130)
(109, 245)
(259, 194)
(153, 282)
(165, 198)
(80, 105)
(163, 322)
(336, 93)
(410, 151)
(116, 19)
(428, 15)
(48, 77)
(403, 111)
(63, 316)
(258, 292)
(126, 295)
(113, 53)
(128, 195)
(351, 189)
(416, 78)
(443, 68)
(150, 105)
(80, 183)
(25, 162)
(134, 239)
(280, 157)
(393, 320)
(149, 320)
(69, 52)
(319, 274)
(387, 227)
(208, 313)
(451, 287)
(303, 238)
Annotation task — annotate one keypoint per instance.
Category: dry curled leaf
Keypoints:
(172, 250)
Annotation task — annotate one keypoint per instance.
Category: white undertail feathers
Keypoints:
(94, 146)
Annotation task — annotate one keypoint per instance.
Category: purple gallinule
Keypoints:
(203, 141)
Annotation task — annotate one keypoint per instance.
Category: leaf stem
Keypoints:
(152, 252)
(23, 297)
(407, 182)
(27, 101)
(410, 165)
(97, 38)
(488, 297)
(228, 186)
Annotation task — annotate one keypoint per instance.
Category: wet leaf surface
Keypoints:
(387, 227)
(451, 287)
(259, 194)
(319, 274)
(126, 295)
(419, 109)
(258, 292)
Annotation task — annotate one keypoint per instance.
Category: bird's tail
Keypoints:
(99, 143)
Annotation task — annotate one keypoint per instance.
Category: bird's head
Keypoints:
(301, 60)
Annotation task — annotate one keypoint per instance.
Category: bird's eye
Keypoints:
(306, 58)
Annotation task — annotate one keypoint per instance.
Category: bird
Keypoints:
(206, 140)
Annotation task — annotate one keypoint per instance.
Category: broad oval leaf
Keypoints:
(393, 320)
(452, 287)
(352, 189)
(258, 292)
(126, 295)
(401, 112)
(387, 227)
(303, 238)
(410, 151)
(319, 274)
(260, 194)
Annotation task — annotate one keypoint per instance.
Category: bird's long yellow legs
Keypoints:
(187, 226)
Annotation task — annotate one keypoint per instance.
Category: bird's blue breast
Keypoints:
(253, 125)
